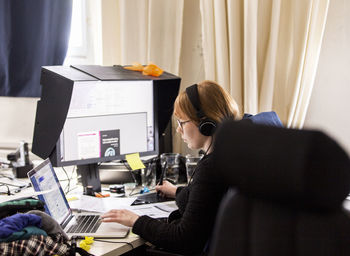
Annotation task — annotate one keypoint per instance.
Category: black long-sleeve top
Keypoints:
(198, 204)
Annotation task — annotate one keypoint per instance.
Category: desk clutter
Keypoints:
(173, 165)
(102, 205)
(125, 174)
(22, 221)
(25, 229)
(19, 161)
(9, 184)
(23, 233)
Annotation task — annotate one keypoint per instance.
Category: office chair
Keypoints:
(286, 196)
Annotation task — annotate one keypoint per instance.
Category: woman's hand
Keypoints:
(125, 217)
(167, 189)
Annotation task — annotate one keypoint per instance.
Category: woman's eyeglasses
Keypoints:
(181, 123)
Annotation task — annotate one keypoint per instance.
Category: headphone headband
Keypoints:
(193, 95)
(206, 126)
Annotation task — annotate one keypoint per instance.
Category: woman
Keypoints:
(198, 110)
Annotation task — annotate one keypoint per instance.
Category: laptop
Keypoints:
(44, 179)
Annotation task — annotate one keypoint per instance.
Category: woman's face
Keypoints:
(190, 134)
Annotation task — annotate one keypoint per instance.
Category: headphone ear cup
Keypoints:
(207, 127)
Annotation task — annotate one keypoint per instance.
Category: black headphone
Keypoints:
(206, 125)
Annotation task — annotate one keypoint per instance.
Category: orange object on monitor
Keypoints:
(149, 70)
(136, 66)
(152, 70)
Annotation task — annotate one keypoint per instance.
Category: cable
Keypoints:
(194, 171)
(73, 172)
(8, 189)
(13, 185)
(115, 242)
(105, 241)
(73, 189)
(211, 142)
(68, 185)
(132, 175)
(5, 176)
(69, 179)
(5, 164)
(129, 169)
(130, 194)
(20, 184)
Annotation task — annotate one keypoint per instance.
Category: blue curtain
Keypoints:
(33, 33)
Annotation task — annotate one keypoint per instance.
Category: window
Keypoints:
(78, 43)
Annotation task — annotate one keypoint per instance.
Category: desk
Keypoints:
(105, 247)
(109, 249)
(116, 247)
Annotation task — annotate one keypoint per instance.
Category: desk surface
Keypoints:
(116, 246)
(112, 247)
(109, 247)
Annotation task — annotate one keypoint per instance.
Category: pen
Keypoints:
(162, 174)
(98, 194)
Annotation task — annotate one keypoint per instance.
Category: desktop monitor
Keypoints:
(88, 115)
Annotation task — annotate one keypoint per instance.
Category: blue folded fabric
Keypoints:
(18, 222)
(265, 118)
(25, 233)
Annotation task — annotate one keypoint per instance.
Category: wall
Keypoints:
(329, 106)
(17, 122)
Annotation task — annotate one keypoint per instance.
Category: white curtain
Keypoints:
(144, 31)
(265, 53)
(151, 31)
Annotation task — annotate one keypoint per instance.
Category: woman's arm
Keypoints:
(166, 189)
(190, 233)
(125, 217)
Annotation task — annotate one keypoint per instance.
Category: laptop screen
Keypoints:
(44, 179)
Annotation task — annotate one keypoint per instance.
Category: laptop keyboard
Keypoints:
(85, 224)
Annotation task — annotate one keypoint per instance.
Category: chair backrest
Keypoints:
(288, 187)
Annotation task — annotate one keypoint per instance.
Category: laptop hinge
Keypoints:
(65, 222)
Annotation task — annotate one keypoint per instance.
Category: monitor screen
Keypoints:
(44, 179)
(107, 120)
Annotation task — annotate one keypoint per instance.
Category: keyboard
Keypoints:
(85, 224)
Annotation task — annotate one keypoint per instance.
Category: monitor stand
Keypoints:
(90, 178)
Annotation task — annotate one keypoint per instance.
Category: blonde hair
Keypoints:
(215, 102)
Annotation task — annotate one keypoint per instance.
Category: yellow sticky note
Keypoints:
(73, 198)
(134, 161)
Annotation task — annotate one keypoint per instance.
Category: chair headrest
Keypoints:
(306, 168)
